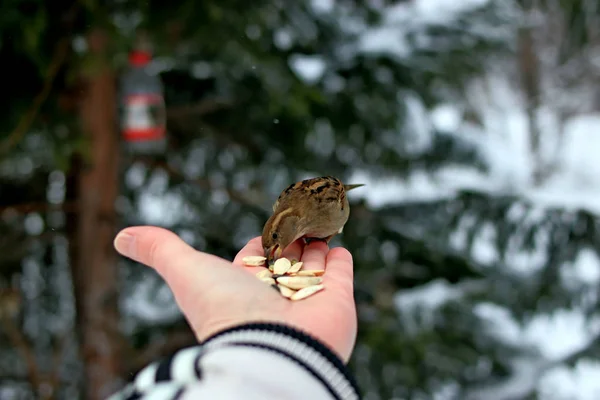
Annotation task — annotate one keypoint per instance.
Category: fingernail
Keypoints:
(125, 244)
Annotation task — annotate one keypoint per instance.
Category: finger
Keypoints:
(339, 292)
(294, 250)
(164, 251)
(338, 280)
(314, 255)
(336, 301)
(340, 271)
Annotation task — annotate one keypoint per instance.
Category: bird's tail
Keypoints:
(350, 187)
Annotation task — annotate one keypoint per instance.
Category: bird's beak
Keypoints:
(272, 253)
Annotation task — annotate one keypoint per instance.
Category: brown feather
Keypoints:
(313, 208)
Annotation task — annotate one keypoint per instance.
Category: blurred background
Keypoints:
(475, 125)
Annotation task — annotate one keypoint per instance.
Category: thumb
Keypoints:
(165, 252)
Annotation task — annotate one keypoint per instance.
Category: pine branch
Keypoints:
(525, 375)
(27, 119)
(58, 59)
(242, 198)
(203, 107)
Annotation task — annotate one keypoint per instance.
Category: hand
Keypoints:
(215, 294)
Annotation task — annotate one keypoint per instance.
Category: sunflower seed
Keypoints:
(281, 266)
(288, 278)
(265, 273)
(307, 291)
(286, 291)
(270, 281)
(295, 267)
(310, 272)
(254, 261)
(299, 282)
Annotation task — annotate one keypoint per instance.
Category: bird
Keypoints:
(312, 209)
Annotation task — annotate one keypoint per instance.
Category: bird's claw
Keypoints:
(308, 241)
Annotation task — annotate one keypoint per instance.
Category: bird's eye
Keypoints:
(275, 236)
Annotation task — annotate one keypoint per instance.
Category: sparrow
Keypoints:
(312, 209)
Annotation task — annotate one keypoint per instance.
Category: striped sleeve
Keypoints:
(251, 361)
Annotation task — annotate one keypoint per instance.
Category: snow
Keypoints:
(308, 68)
(155, 205)
(417, 124)
(378, 41)
(580, 382)
(425, 299)
(34, 224)
(574, 184)
(584, 271)
(483, 249)
(440, 10)
(322, 6)
(283, 39)
(391, 36)
(571, 331)
(555, 336)
(446, 117)
(151, 303)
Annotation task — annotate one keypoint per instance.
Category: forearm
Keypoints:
(252, 361)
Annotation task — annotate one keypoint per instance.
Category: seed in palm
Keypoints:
(288, 277)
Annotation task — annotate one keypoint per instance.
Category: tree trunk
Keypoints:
(94, 184)
(529, 70)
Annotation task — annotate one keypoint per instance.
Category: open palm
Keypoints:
(215, 294)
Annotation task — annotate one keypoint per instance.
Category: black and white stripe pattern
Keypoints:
(309, 353)
(172, 373)
(171, 378)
